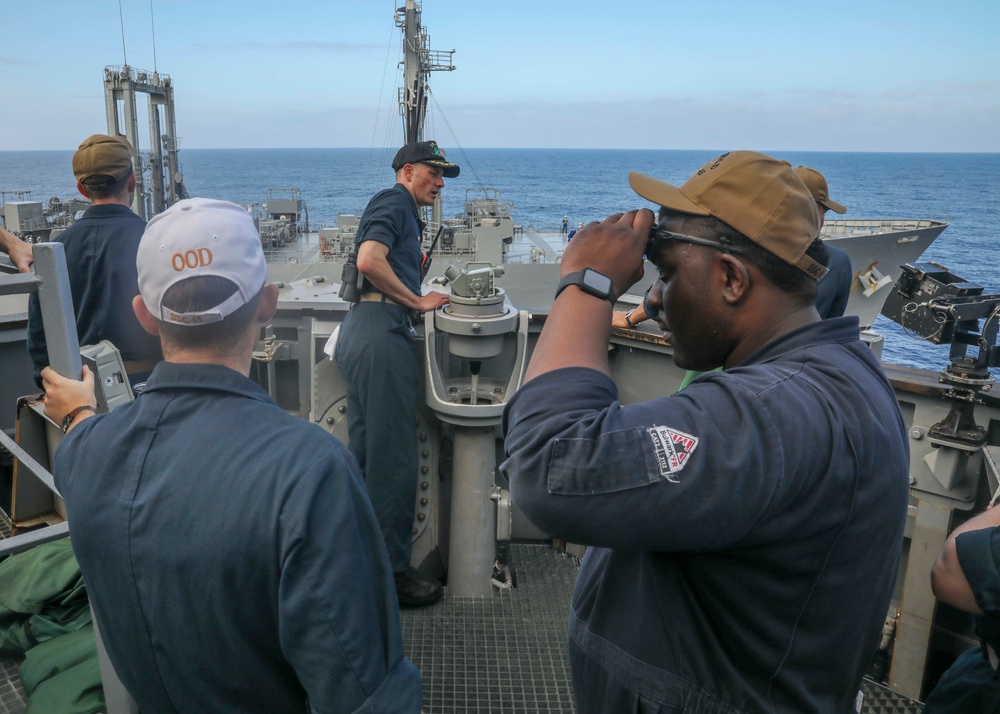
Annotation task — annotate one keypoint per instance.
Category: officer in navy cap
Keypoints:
(375, 353)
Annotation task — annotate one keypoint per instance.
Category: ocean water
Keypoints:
(546, 184)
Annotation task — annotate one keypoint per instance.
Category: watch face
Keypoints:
(598, 282)
(591, 282)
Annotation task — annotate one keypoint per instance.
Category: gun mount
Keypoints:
(937, 305)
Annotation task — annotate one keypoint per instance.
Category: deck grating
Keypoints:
(882, 700)
(505, 654)
(12, 698)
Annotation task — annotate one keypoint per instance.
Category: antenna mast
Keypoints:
(418, 62)
(121, 20)
(152, 28)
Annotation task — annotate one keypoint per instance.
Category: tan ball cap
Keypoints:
(759, 196)
(816, 184)
(101, 155)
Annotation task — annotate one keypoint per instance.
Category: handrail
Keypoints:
(51, 281)
(26, 541)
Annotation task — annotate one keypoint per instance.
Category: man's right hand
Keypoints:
(433, 300)
(614, 247)
(22, 257)
(17, 250)
(63, 395)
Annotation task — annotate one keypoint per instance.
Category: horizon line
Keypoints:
(535, 148)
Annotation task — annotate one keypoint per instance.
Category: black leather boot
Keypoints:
(414, 590)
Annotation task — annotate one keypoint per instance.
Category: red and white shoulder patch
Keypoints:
(673, 449)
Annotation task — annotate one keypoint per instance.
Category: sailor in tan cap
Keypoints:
(100, 257)
(731, 524)
(816, 184)
(835, 289)
(101, 162)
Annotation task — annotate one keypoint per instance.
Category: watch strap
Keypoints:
(68, 419)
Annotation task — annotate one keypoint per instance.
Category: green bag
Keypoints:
(45, 617)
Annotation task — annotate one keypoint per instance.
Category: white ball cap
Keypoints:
(199, 237)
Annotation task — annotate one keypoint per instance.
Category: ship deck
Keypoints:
(505, 654)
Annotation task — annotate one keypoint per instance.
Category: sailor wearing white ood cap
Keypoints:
(215, 531)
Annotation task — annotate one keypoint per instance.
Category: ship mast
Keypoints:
(418, 62)
(121, 85)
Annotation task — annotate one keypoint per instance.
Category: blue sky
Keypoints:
(880, 75)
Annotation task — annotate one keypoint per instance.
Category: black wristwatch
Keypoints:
(591, 282)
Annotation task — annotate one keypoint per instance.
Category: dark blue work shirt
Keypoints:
(834, 290)
(747, 529)
(392, 218)
(100, 259)
(971, 683)
(979, 556)
(231, 555)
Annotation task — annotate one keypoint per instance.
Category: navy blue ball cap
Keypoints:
(425, 152)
